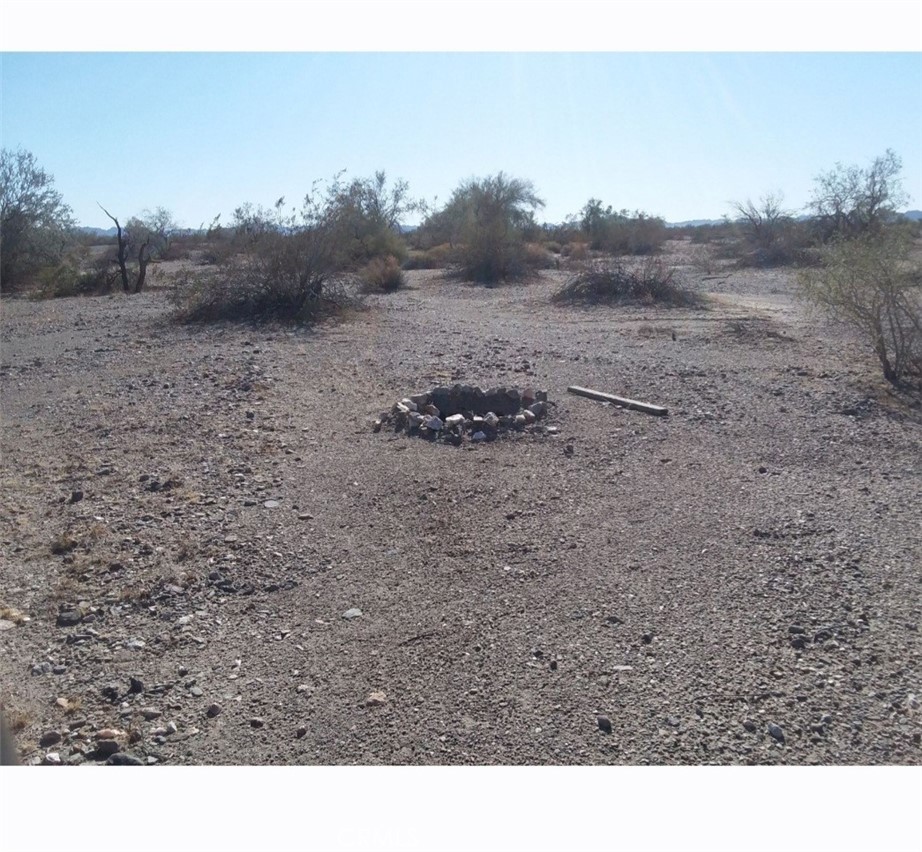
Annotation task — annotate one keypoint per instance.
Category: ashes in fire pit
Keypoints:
(460, 412)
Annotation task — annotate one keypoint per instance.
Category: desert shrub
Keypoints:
(766, 235)
(576, 251)
(621, 233)
(285, 267)
(538, 257)
(652, 283)
(437, 257)
(66, 279)
(871, 283)
(383, 274)
(553, 246)
(488, 221)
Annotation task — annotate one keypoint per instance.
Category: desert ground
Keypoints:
(190, 511)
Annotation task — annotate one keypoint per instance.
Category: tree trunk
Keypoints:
(142, 266)
(122, 250)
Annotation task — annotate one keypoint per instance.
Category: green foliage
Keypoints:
(620, 233)
(488, 220)
(767, 234)
(849, 201)
(36, 226)
(870, 283)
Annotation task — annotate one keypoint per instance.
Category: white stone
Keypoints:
(409, 405)
(454, 420)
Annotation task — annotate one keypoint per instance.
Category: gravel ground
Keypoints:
(189, 513)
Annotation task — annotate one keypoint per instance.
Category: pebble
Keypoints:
(135, 686)
(53, 758)
(197, 691)
(749, 725)
(50, 738)
(271, 504)
(106, 748)
(355, 612)
(151, 713)
(213, 710)
(776, 732)
(183, 671)
(171, 727)
(376, 699)
(604, 724)
(6, 625)
(257, 722)
(302, 731)
(108, 734)
(69, 618)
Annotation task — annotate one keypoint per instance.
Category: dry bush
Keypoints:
(383, 274)
(437, 257)
(538, 257)
(576, 251)
(653, 283)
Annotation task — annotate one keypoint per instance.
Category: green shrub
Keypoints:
(871, 283)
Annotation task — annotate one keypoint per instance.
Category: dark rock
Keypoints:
(105, 749)
(604, 724)
(69, 618)
(122, 758)
(256, 722)
(776, 732)
(796, 629)
(749, 725)
(553, 665)
(49, 739)
(647, 638)
(502, 401)
(183, 671)
(59, 670)
(75, 496)
(135, 686)
(111, 692)
(301, 732)
(213, 710)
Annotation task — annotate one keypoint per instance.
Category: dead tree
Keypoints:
(122, 250)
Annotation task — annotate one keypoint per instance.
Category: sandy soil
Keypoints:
(188, 513)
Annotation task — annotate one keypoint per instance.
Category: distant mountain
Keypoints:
(98, 232)
(693, 223)
(914, 215)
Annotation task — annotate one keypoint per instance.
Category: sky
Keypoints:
(676, 134)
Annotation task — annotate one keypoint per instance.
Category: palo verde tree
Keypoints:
(490, 218)
(849, 201)
(35, 224)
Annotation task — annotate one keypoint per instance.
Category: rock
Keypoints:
(301, 732)
(776, 732)
(6, 625)
(182, 671)
(553, 665)
(673, 722)
(171, 728)
(105, 748)
(271, 504)
(53, 758)
(122, 758)
(376, 426)
(519, 421)
(257, 722)
(502, 400)
(135, 686)
(213, 710)
(479, 436)
(454, 420)
(539, 409)
(434, 424)
(749, 725)
(491, 421)
(376, 699)
(529, 417)
(796, 629)
(528, 397)
(110, 691)
(151, 713)
(604, 724)
(355, 612)
(647, 638)
(196, 691)
(69, 618)
(419, 400)
(59, 670)
(75, 497)
(409, 405)
(50, 738)
(541, 396)
(108, 734)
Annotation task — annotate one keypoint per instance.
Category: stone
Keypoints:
(479, 436)
(749, 725)
(539, 409)
(301, 732)
(434, 424)
(135, 686)
(171, 728)
(257, 722)
(6, 625)
(75, 496)
(420, 400)
(53, 758)
(376, 699)
(776, 732)
(604, 724)
(69, 618)
(196, 691)
(108, 734)
(271, 504)
(529, 417)
(491, 421)
(182, 671)
(355, 612)
(151, 713)
(106, 748)
(124, 759)
(409, 405)
(213, 710)
(502, 400)
(454, 420)
(50, 738)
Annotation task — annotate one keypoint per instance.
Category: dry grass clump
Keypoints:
(652, 283)
(383, 274)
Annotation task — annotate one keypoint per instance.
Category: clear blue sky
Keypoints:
(675, 134)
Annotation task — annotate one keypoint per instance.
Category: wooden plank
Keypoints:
(624, 402)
